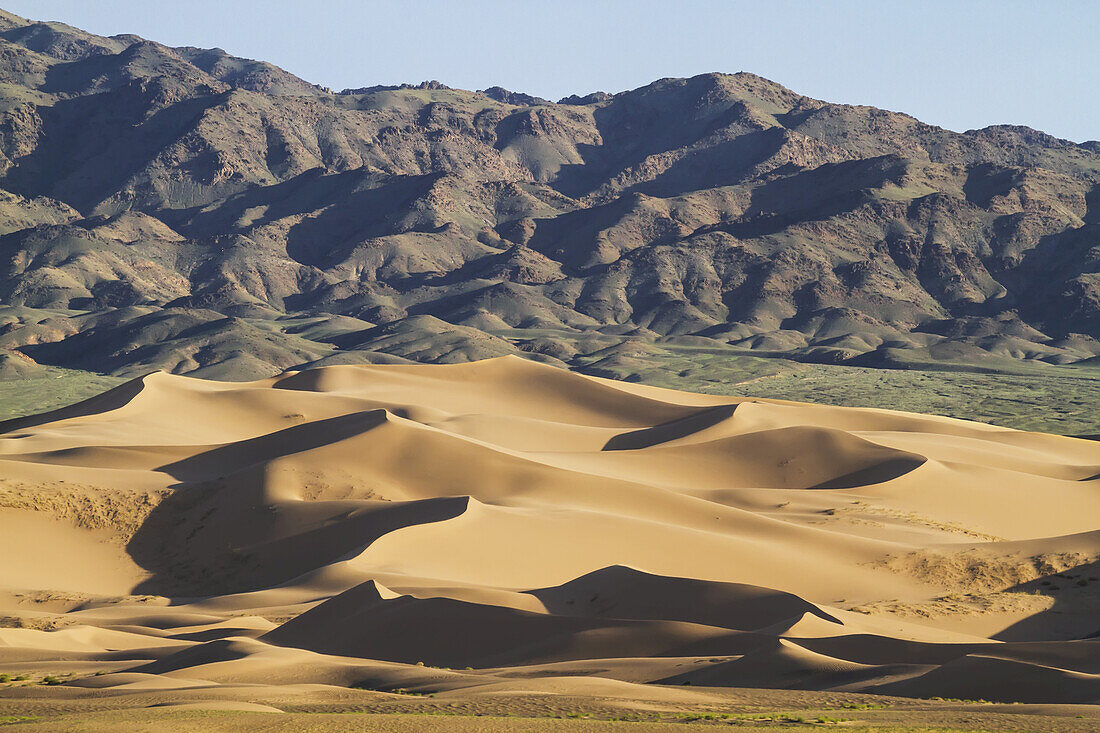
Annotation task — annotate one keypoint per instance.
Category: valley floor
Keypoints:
(324, 710)
(1042, 398)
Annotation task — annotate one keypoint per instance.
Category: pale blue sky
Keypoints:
(957, 63)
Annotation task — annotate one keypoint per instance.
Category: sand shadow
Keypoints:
(1070, 590)
(673, 430)
(222, 531)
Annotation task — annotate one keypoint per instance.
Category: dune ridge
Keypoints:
(481, 524)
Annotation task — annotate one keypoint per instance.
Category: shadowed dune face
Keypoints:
(344, 524)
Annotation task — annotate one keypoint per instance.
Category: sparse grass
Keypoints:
(1038, 397)
(775, 717)
(392, 691)
(489, 716)
(53, 389)
(962, 700)
(1024, 396)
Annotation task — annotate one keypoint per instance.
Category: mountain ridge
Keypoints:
(173, 208)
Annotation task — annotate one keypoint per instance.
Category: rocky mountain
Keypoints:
(187, 210)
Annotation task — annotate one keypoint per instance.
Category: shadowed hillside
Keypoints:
(186, 210)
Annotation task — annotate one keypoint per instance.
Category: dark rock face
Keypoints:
(593, 98)
(518, 99)
(160, 205)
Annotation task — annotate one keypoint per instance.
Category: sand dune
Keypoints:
(506, 523)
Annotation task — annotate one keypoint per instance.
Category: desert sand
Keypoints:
(503, 529)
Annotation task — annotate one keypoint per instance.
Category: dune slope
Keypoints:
(447, 527)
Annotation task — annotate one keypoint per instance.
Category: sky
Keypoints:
(960, 64)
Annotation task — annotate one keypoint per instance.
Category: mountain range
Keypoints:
(187, 210)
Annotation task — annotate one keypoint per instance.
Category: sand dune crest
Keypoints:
(343, 525)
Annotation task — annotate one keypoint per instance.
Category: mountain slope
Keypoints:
(138, 179)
